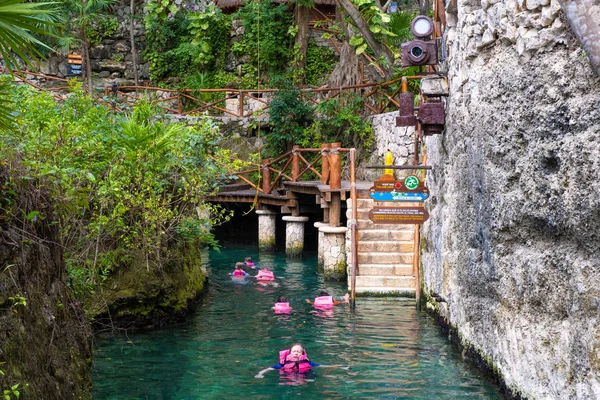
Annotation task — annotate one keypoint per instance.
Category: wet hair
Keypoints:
(298, 344)
(248, 259)
(323, 294)
(239, 265)
(281, 299)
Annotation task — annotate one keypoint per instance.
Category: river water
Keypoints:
(393, 350)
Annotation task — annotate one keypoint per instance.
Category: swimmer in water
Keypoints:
(294, 361)
(239, 270)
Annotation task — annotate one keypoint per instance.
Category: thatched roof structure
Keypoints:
(231, 5)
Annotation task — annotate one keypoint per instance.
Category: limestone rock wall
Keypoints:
(512, 247)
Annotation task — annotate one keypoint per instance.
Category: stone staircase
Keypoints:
(385, 253)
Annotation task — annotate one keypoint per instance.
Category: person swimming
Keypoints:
(282, 306)
(239, 271)
(294, 361)
(324, 300)
(250, 264)
(265, 275)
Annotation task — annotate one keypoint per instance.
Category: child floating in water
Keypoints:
(239, 270)
(265, 275)
(326, 301)
(250, 264)
(293, 361)
(282, 306)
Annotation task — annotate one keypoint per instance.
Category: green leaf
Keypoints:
(375, 28)
(356, 40)
(32, 215)
(361, 49)
(173, 8)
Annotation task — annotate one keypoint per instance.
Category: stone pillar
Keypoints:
(320, 249)
(294, 235)
(334, 252)
(266, 229)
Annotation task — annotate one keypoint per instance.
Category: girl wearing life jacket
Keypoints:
(265, 275)
(293, 361)
(250, 264)
(239, 271)
(282, 306)
(324, 300)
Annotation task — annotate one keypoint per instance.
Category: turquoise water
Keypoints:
(394, 350)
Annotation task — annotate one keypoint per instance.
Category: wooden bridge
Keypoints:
(378, 258)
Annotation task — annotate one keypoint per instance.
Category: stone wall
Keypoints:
(511, 251)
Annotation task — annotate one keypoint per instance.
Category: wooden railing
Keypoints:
(377, 97)
(294, 165)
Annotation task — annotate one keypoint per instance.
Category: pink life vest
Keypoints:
(264, 275)
(301, 366)
(323, 302)
(250, 264)
(239, 272)
(282, 308)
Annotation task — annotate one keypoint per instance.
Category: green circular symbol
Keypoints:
(411, 182)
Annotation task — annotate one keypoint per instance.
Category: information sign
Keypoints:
(398, 215)
(409, 189)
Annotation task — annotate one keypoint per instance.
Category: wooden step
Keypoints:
(385, 270)
(385, 246)
(385, 235)
(385, 258)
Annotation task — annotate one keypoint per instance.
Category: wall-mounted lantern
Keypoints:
(432, 117)
(422, 51)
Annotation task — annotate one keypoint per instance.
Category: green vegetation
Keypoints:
(119, 184)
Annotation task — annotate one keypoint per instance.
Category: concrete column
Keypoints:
(266, 229)
(320, 249)
(294, 235)
(334, 252)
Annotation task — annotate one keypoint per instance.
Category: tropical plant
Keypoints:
(120, 186)
(20, 22)
(79, 17)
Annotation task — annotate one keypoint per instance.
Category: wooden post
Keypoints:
(335, 166)
(295, 163)
(325, 163)
(241, 104)
(266, 176)
(335, 182)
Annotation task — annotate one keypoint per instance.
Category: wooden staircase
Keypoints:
(385, 253)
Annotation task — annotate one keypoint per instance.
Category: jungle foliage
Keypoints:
(118, 184)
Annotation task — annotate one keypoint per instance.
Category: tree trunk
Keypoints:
(132, 39)
(301, 41)
(347, 70)
(379, 49)
(85, 53)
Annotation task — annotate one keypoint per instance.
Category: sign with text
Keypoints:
(74, 64)
(398, 215)
(409, 189)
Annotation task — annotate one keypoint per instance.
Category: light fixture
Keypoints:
(421, 26)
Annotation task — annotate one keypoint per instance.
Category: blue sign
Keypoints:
(399, 196)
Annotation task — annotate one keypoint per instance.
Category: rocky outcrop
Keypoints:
(45, 339)
(512, 247)
(139, 295)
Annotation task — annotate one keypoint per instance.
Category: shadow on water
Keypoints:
(394, 350)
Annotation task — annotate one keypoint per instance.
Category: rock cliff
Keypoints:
(512, 248)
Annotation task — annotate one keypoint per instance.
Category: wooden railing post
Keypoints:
(335, 182)
(325, 163)
(295, 163)
(266, 176)
(241, 104)
(335, 166)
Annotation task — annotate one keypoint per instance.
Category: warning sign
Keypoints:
(398, 215)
